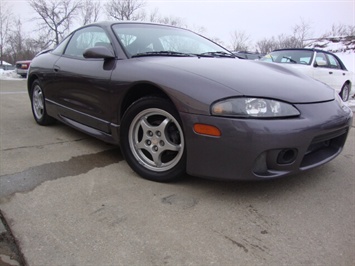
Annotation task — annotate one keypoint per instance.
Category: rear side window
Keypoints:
(333, 62)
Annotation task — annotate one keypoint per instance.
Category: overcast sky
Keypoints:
(259, 19)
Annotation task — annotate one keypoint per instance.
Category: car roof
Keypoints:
(314, 50)
(303, 49)
(245, 52)
(110, 23)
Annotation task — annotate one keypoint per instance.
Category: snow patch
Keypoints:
(9, 75)
(333, 44)
(4, 63)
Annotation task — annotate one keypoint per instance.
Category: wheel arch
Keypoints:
(347, 82)
(139, 91)
(30, 81)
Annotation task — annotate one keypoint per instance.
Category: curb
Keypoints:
(10, 254)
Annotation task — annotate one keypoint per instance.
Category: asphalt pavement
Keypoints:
(69, 199)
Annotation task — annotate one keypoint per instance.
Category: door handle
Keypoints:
(56, 68)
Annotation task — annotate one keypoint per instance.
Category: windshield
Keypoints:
(159, 40)
(289, 56)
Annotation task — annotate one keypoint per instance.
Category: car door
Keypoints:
(322, 70)
(339, 76)
(82, 87)
(328, 70)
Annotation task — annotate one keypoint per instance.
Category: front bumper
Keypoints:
(251, 149)
(21, 71)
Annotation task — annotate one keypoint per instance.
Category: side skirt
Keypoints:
(59, 112)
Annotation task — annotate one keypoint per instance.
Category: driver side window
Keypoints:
(86, 38)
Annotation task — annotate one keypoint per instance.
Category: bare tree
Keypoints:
(5, 25)
(40, 42)
(285, 41)
(171, 20)
(350, 31)
(20, 47)
(218, 41)
(56, 16)
(340, 30)
(301, 32)
(125, 10)
(198, 29)
(16, 41)
(240, 41)
(267, 45)
(168, 20)
(90, 11)
(154, 15)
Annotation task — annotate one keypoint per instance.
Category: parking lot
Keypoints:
(70, 199)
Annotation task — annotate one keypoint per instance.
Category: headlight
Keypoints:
(253, 108)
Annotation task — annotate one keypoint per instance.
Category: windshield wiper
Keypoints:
(289, 58)
(216, 54)
(172, 53)
(162, 53)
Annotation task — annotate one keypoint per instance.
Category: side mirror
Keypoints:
(98, 52)
(320, 62)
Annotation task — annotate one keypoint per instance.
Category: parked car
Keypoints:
(22, 67)
(321, 65)
(248, 55)
(176, 102)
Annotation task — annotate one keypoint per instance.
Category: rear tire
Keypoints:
(38, 104)
(152, 140)
(345, 92)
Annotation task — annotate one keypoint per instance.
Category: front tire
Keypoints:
(152, 139)
(345, 92)
(38, 105)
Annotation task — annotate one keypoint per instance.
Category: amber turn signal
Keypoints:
(207, 130)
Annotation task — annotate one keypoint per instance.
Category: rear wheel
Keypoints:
(152, 139)
(39, 106)
(345, 92)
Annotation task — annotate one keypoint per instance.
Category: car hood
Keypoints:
(250, 78)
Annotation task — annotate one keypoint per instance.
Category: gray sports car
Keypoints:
(178, 103)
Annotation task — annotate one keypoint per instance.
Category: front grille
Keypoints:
(324, 148)
(330, 135)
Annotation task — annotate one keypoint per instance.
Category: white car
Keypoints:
(318, 64)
